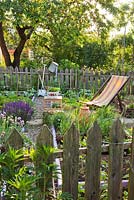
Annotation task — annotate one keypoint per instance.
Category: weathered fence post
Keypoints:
(70, 162)
(131, 174)
(45, 137)
(116, 148)
(43, 158)
(15, 140)
(93, 162)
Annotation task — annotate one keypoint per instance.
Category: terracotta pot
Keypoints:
(84, 112)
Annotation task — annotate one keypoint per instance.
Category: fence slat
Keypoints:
(44, 138)
(61, 78)
(93, 162)
(70, 162)
(67, 78)
(72, 78)
(17, 78)
(115, 161)
(15, 140)
(131, 174)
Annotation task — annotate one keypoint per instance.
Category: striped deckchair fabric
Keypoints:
(109, 92)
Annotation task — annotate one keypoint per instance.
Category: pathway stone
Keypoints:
(34, 125)
(39, 108)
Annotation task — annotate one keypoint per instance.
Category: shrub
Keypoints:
(62, 121)
(12, 96)
(18, 109)
(105, 117)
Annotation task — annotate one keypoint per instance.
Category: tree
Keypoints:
(122, 45)
(65, 20)
(94, 54)
(17, 18)
(123, 53)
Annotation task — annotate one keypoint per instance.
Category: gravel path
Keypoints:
(39, 108)
(34, 125)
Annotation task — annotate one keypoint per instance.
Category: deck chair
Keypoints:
(109, 91)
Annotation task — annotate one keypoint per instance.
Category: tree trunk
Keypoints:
(133, 53)
(17, 53)
(23, 38)
(4, 48)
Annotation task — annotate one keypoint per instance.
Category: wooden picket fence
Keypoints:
(94, 151)
(24, 79)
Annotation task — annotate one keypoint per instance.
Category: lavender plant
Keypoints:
(18, 109)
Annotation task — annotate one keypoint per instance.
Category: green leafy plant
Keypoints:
(8, 96)
(30, 93)
(9, 163)
(19, 184)
(65, 196)
(30, 181)
(62, 121)
(53, 89)
(45, 169)
(22, 186)
(104, 116)
(48, 119)
(67, 64)
(55, 105)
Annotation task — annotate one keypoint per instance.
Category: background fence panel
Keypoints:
(24, 79)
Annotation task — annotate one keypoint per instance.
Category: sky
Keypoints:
(123, 29)
(124, 1)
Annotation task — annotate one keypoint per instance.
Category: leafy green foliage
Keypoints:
(45, 169)
(94, 54)
(8, 96)
(62, 121)
(104, 117)
(65, 196)
(21, 181)
(67, 64)
(9, 162)
(122, 48)
(22, 186)
(59, 28)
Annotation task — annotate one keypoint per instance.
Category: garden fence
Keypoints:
(94, 153)
(24, 79)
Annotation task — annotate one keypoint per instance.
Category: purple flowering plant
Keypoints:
(18, 109)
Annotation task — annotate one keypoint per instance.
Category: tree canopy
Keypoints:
(59, 26)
